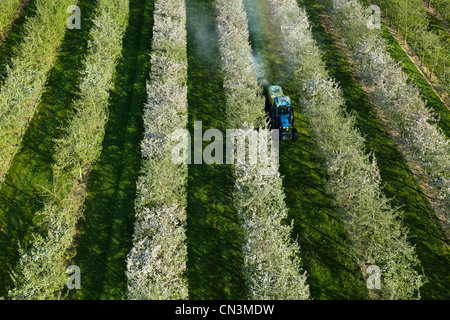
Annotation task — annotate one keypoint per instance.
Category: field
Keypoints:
(93, 120)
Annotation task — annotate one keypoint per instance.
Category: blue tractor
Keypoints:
(281, 113)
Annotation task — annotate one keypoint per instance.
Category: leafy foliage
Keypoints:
(157, 261)
(271, 265)
(399, 102)
(411, 19)
(43, 262)
(240, 81)
(27, 73)
(7, 15)
(375, 231)
(442, 6)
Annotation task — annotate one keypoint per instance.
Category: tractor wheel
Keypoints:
(294, 135)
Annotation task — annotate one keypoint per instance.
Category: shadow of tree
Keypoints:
(106, 233)
(23, 193)
(400, 183)
(332, 274)
(213, 229)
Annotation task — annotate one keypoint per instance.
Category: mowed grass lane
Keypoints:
(24, 191)
(10, 13)
(431, 246)
(14, 37)
(332, 274)
(106, 232)
(427, 92)
(213, 230)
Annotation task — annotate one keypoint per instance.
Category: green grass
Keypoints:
(436, 24)
(22, 194)
(9, 13)
(332, 274)
(427, 92)
(106, 233)
(400, 182)
(15, 37)
(213, 230)
(416, 77)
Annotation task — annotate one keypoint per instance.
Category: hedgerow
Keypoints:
(7, 15)
(157, 261)
(271, 259)
(411, 19)
(398, 101)
(442, 6)
(375, 230)
(41, 271)
(27, 73)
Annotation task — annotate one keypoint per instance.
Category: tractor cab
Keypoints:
(281, 113)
